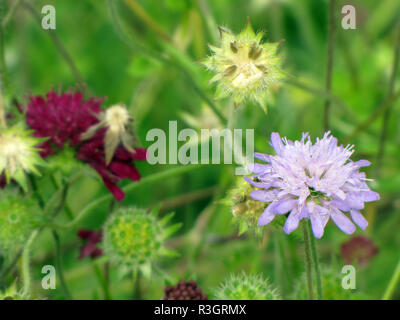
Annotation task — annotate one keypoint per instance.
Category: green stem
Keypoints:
(58, 44)
(329, 67)
(316, 264)
(102, 280)
(144, 181)
(137, 294)
(285, 276)
(177, 60)
(10, 13)
(59, 265)
(308, 260)
(393, 283)
(147, 19)
(386, 115)
(3, 73)
(26, 255)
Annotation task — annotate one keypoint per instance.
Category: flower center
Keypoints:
(13, 151)
(247, 73)
(117, 116)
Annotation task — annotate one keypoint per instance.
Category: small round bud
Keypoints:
(246, 287)
(19, 216)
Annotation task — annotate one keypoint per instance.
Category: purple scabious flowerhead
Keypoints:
(311, 181)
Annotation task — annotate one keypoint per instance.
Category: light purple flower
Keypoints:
(314, 181)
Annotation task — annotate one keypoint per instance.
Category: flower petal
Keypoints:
(292, 222)
(284, 206)
(261, 195)
(342, 222)
(276, 142)
(359, 219)
(266, 217)
(370, 196)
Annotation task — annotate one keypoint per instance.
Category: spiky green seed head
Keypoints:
(12, 293)
(246, 287)
(135, 239)
(18, 154)
(19, 216)
(331, 287)
(245, 209)
(244, 66)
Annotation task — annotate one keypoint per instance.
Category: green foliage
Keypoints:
(131, 63)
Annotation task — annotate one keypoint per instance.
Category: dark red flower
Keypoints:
(358, 249)
(90, 248)
(121, 167)
(3, 181)
(184, 290)
(63, 119)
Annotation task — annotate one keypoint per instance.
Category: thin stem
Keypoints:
(3, 70)
(144, 181)
(329, 66)
(3, 123)
(137, 294)
(316, 264)
(210, 21)
(393, 283)
(284, 277)
(10, 13)
(102, 280)
(147, 19)
(386, 116)
(59, 265)
(26, 255)
(35, 190)
(375, 115)
(136, 46)
(58, 44)
(322, 93)
(307, 251)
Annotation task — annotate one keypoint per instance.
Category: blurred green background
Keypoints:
(119, 61)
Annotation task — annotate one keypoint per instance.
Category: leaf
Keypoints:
(172, 229)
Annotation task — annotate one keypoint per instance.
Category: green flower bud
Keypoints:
(246, 287)
(135, 239)
(19, 216)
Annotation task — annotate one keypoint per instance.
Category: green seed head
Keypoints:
(244, 66)
(19, 216)
(246, 287)
(135, 239)
(245, 210)
(18, 154)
